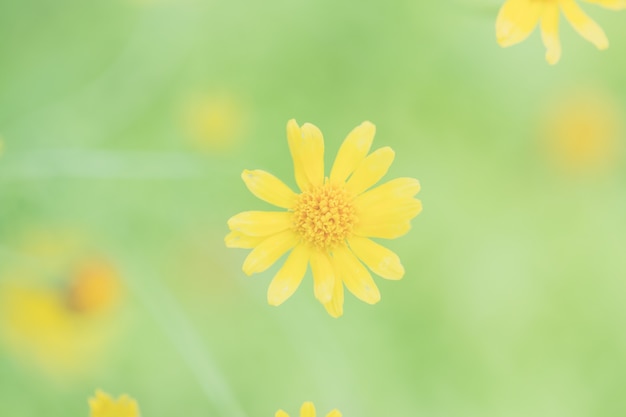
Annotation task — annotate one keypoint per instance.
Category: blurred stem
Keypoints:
(173, 322)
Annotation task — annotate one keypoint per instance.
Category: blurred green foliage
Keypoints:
(512, 304)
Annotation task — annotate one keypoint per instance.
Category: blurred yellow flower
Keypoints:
(518, 18)
(329, 223)
(94, 288)
(102, 405)
(308, 410)
(214, 122)
(58, 316)
(581, 132)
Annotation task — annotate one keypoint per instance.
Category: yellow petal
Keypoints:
(583, 24)
(388, 211)
(379, 259)
(335, 306)
(269, 188)
(105, 406)
(239, 240)
(260, 223)
(268, 251)
(383, 230)
(352, 151)
(610, 4)
(307, 410)
(516, 21)
(391, 190)
(357, 279)
(294, 139)
(313, 154)
(281, 413)
(387, 220)
(370, 170)
(550, 33)
(289, 277)
(334, 413)
(323, 276)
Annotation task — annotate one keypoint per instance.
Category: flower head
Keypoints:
(518, 18)
(102, 405)
(582, 131)
(214, 122)
(95, 287)
(328, 225)
(62, 315)
(60, 330)
(308, 410)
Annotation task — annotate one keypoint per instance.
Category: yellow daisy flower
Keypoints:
(330, 222)
(102, 405)
(308, 410)
(518, 18)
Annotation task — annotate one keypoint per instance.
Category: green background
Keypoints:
(513, 300)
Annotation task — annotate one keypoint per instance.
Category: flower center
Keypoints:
(324, 216)
(95, 287)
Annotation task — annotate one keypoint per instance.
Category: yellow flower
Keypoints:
(518, 18)
(308, 410)
(102, 405)
(60, 316)
(214, 122)
(330, 222)
(581, 133)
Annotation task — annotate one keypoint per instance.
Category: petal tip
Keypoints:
(552, 60)
(370, 295)
(277, 296)
(368, 125)
(502, 41)
(324, 295)
(333, 310)
(335, 314)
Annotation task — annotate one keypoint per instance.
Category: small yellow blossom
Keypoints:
(102, 405)
(214, 122)
(328, 225)
(581, 132)
(518, 18)
(308, 410)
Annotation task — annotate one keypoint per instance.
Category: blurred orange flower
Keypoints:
(59, 315)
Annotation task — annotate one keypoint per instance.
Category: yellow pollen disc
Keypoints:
(324, 216)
